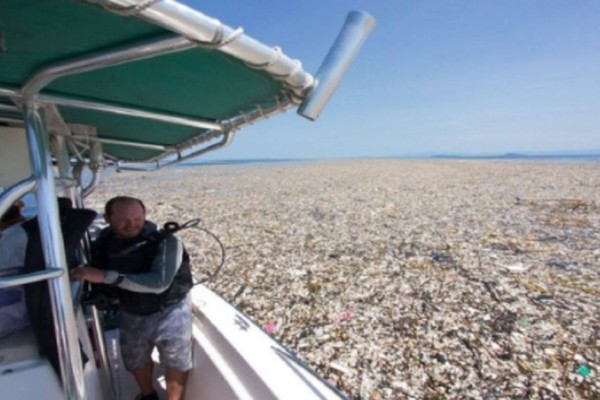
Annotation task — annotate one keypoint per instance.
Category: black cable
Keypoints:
(218, 269)
(104, 300)
(170, 228)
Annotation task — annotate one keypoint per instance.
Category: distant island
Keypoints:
(516, 156)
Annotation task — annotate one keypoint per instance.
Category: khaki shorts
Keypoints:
(170, 330)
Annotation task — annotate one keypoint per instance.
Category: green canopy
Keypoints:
(200, 83)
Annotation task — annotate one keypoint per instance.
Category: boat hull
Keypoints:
(234, 358)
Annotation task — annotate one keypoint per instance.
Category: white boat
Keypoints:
(139, 84)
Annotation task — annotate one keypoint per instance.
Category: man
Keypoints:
(153, 279)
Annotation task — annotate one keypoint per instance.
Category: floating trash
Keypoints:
(567, 264)
(270, 327)
(584, 371)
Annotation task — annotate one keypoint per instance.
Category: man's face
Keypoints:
(127, 219)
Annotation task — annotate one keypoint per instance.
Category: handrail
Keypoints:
(31, 277)
(15, 192)
(74, 102)
(225, 141)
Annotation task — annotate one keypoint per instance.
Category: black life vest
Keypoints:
(108, 254)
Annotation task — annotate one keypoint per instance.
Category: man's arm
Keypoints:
(165, 265)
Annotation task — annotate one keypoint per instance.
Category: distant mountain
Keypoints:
(519, 156)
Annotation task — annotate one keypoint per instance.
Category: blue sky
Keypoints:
(459, 77)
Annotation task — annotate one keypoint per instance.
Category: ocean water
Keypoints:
(255, 161)
(558, 159)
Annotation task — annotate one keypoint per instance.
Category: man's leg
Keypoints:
(174, 342)
(136, 349)
(175, 383)
(143, 376)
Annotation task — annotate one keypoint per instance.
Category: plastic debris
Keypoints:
(270, 327)
(584, 371)
(343, 317)
(516, 268)
(566, 264)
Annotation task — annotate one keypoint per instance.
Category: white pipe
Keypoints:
(356, 30)
(209, 31)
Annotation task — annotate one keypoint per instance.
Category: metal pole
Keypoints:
(140, 51)
(98, 332)
(23, 279)
(357, 28)
(53, 246)
(64, 167)
(109, 108)
(58, 146)
(132, 112)
(95, 139)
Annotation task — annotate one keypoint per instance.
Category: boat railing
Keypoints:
(31, 277)
(42, 185)
(92, 316)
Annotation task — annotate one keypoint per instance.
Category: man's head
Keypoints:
(126, 216)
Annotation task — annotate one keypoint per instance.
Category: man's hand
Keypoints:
(89, 274)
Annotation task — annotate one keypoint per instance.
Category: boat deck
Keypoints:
(21, 365)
